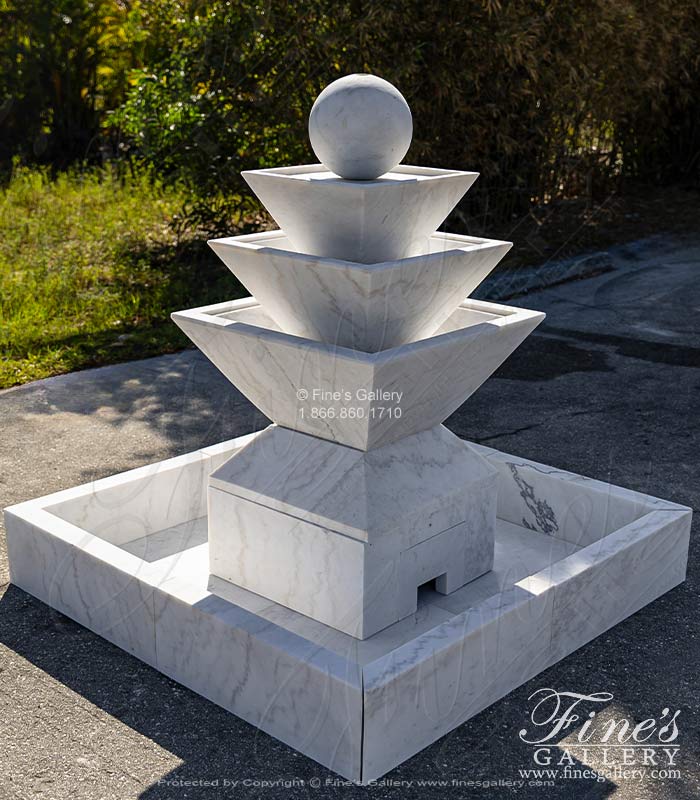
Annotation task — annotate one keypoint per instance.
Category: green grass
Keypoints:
(90, 270)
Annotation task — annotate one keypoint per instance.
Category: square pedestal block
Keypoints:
(127, 557)
(345, 536)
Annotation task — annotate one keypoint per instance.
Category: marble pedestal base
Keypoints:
(127, 557)
(345, 536)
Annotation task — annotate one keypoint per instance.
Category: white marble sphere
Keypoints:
(360, 127)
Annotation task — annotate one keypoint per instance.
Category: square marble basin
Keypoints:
(127, 557)
(369, 221)
(362, 306)
(363, 400)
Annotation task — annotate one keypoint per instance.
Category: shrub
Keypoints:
(546, 99)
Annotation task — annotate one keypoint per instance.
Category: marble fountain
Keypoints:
(355, 579)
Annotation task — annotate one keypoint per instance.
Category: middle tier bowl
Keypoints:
(359, 399)
(367, 307)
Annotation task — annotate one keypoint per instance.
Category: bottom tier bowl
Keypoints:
(127, 557)
(360, 399)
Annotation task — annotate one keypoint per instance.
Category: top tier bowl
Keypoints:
(385, 219)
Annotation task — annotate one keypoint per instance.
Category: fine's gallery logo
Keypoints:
(590, 736)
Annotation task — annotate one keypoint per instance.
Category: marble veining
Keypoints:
(170, 541)
(545, 520)
(423, 381)
(384, 219)
(412, 488)
(360, 126)
(345, 536)
(612, 578)
(565, 505)
(359, 707)
(270, 677)
(367, 307)
(54, 562)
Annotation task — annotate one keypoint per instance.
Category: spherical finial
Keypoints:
(360, 127)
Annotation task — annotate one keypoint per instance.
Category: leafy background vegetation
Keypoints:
(124, 126)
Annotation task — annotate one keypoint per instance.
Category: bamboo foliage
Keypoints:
(547, 98)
